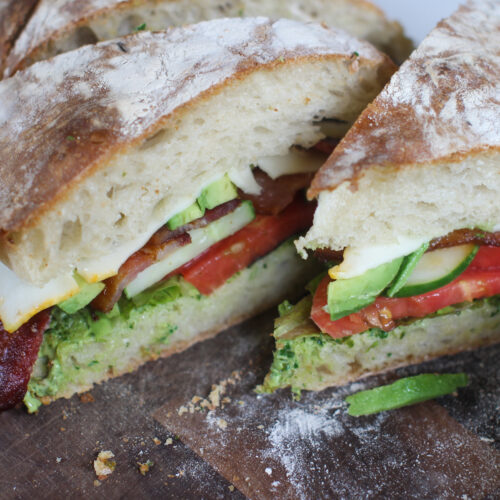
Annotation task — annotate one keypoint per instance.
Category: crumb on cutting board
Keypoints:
(215, 399)
(104, 465)
(145, 467)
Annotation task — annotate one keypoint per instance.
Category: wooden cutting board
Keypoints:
(231, 443)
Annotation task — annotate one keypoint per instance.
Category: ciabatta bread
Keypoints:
(61, 25)
(102, 145)
(424, 158)
(13, 16)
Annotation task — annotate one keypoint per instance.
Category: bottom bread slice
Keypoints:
(74, 355)
(306, 359)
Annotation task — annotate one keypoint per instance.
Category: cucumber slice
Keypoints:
(201, 240)
(438, 268)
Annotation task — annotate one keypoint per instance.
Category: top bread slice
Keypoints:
(13, 16)
(102, 145)
(424, 158)
(61, 25)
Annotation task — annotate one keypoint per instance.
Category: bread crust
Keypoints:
(443, 105)
(69, 15)
(73, 123)
(13, 17)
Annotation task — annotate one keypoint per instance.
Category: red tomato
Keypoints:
(486, 258)
(480, 280)
(214, 267)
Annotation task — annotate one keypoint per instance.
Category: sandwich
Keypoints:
(13, 16)
(151, 186)
(408, 220)
(62, 25)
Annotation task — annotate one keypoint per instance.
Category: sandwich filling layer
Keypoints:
(439, 299)
(193, 256)
(79, 350)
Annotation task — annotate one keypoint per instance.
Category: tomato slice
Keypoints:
(486, 258)
(214, 267)
(480, 280)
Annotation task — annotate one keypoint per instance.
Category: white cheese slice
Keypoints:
(295, 162)
(358, 260)
(244, 179)
(19, 300)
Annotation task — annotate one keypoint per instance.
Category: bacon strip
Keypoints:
(161, 244)
(276, 194)
(164, 234)
(136, 263)
(18, 353)
(464, 236)
(326, 146)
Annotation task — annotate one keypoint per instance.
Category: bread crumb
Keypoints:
(231, 488)
(156, 441)
(260, 427)
(169, 441)
(97, 483)
(87, 398)
(145, 467)
(222, 424)
(214, 399)
(215, 394)
(104, 465)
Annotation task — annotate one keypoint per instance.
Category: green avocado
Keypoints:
(406, 269)
(191, 213)
(88, 292)
(346, 296)
(404, 392)
(217, 193)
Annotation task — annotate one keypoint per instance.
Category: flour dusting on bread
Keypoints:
(154, 118)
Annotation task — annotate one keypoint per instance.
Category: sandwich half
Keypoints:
(408, 220)
(61, 25)
(151, 185)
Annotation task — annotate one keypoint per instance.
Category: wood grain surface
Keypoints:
(252, 445)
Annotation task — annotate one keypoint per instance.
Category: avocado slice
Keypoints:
(191, 213)
(217, 193)
(88, 292)
(406, 269)
(347, 296)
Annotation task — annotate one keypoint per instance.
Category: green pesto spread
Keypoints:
(75, 342)
(306, 359)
